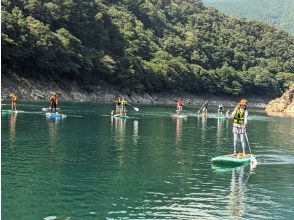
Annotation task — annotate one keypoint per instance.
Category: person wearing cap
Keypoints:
(240, 115)
(53, 102)
(13, 101)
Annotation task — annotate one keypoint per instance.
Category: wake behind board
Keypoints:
(232, 159)
(54, 115)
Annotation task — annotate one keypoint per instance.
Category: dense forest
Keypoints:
(274, 12)
(146, 45)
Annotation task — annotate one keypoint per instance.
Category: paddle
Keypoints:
(136, 109)
(253, 160)
(200, 109)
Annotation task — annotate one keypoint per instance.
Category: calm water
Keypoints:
(149, 166)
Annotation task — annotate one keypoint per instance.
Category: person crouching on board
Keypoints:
(240, 115)
(13, 101)
(180, 105)
(53, 102)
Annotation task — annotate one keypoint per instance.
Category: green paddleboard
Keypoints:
(120, 116)
(231, 159)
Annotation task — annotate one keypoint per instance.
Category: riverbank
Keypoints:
(29, 89)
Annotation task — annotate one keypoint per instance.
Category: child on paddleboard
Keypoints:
(240, 115)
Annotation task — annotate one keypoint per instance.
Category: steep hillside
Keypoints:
(145, 46)
(279, 13)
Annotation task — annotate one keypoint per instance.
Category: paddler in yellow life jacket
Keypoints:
(240, 115)
(53, 102)
(123, 106)
(13, 101)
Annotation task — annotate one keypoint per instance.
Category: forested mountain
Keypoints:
(279, 13)
(146, 45)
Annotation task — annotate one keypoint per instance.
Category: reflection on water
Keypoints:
(203, 127)
(12, 125)
(52, 128)
(219, 128)
(136, 131)
(119, 126)
(179, 128)
(236, 206)
(144, 167)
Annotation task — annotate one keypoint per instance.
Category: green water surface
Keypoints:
(148, 166)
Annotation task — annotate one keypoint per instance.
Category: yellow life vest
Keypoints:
(239, 117)
(123, 103)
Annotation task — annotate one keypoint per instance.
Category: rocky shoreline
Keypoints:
(283, 104)
(103, 92)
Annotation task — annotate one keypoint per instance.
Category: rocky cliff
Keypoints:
(283, 104)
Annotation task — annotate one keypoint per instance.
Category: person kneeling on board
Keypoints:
(240, 115)
(53, 102)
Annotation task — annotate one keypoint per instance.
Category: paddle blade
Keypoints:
(136, 109)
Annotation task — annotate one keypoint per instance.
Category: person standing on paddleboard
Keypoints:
(205, 108)
(220, 109)
(240, 115)
(13, 101)
(180, 105)
(53, 102)
(124, 106)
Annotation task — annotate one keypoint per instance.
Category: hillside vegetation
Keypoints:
(146, 45)
(278, 13)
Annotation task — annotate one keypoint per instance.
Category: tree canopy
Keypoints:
(145, 45)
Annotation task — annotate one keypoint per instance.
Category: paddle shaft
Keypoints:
(200, 109)
(248, 142)
(132, 106)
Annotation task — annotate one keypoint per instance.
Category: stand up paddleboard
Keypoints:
(220, 117)
(179, 116)
(11, 111)
(54, 115)
(232, 159)
(49, 109)
(120, 116)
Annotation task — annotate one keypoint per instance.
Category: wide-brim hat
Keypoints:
(243, 102)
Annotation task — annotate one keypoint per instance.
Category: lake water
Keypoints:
(148, 166)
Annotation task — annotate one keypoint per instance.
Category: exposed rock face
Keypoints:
(102, 92)
(283, 104)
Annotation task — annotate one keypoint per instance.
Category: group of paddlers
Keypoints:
(239, 116)
(53, 101)
(120, 105)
